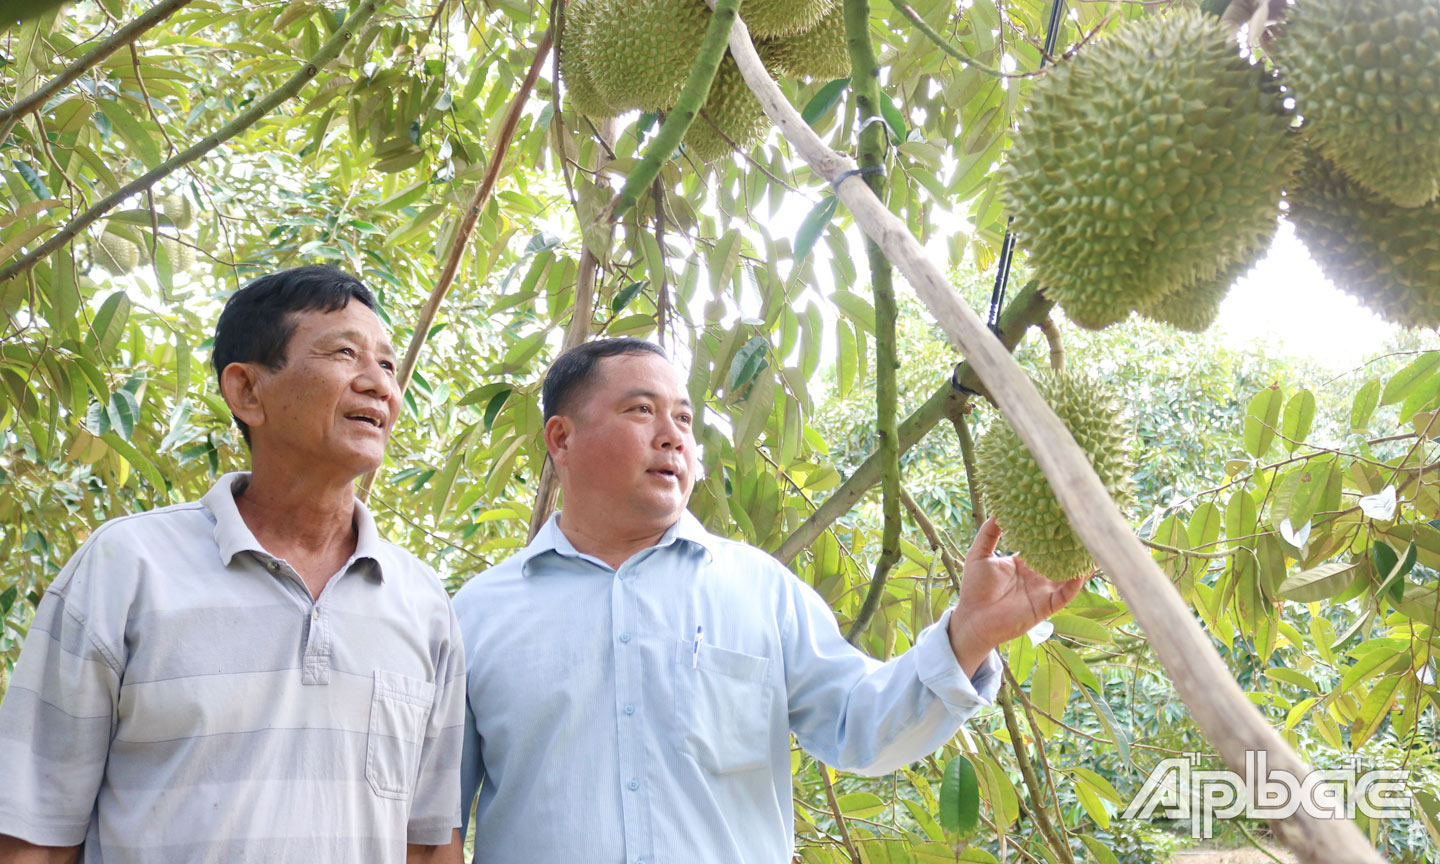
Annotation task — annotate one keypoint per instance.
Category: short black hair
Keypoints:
(258, 320)
(573, 370)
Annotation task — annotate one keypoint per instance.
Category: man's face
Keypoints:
(332, 406)
(630, 450)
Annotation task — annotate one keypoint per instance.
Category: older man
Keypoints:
(256, 676)
(634, 680)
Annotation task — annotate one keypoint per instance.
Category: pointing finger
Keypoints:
(986, 539)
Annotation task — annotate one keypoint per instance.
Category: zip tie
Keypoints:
(845, 175)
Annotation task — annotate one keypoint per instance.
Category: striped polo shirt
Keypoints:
(182, 698)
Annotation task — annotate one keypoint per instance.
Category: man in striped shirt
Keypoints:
(256, 676)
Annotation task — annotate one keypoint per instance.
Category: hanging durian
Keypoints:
(1196, 306)
(818, 53)
(1014, 489)
(733, 109)
(1366, 78)
(771, 19)
(1144, 162)
(1386, 256)
(580, 92)
(638, 53)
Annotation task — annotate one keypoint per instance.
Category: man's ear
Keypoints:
(557, 438)
(240, 387)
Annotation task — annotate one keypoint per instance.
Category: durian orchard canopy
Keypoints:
(1143, 170)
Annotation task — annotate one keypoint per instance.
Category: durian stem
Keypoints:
(1057, 347)
(242, 121)
(678, 120)
(967, 456)
(1038, 812)
(1026, 309)
(1219, 706)
(865, 84)
(467, 227)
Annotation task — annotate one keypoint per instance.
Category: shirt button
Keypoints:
(274, 566)
(629, 709)
(633, 785)
(624, 637)
(315, 614)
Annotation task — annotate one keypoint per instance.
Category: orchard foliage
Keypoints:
(1298, 517)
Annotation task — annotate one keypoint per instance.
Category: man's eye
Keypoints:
(387, 366)
(686, 419)
(348, 352)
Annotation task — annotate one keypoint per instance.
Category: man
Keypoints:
(256, 676)
(634, 680)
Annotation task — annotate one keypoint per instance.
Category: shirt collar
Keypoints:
(233, 536)
(551, 539)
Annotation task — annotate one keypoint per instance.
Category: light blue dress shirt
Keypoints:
(597, 730)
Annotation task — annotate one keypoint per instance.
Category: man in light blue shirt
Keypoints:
(633, 680)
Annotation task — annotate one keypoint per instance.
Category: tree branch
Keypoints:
(1057, 347)
(1038, 811)
(463, 232)
(577, 332)
(944, 45)
(961, 423)
(679, 118)
(1026, 309)
(329, 51)
(1215, 700)
(122, 37)
(839, 816)
(865, 84)
(937, 544)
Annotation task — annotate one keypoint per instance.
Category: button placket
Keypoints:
(629, 657)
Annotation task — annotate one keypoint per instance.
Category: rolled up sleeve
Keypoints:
(857, 714)
(56, 720)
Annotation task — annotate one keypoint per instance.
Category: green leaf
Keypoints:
(109, 323)
(1411, 378)
(861, 805)
(137, 460)
(893, 118)
(123, 410)
(1261, 419)
(959, 797)
(624, 296)
(1205, 525)
(1299, 415)
(856, 308)
(32, 179)
(135, 134)
(823, 100)
(492, 408)
(1098, 850)
(7, 599)
(813, 227)
(1320, 583)
(1364, 404)
(748, 362)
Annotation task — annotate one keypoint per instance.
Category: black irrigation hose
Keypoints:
(1007, 249)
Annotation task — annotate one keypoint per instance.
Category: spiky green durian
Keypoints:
(1387, 257)
(580, 92)
(1196, 306)
(1016, 492)
(734, 109)
(638, 53)
(178, 208)
(116, 254)
(819, 52)
(1366, 78)
(1143, 162)
(772, 19)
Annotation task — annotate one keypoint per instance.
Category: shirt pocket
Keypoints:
(722, 702)
(399, 712)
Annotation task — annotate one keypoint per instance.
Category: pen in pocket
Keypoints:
(695, 647)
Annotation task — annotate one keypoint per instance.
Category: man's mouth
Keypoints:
(369, 417)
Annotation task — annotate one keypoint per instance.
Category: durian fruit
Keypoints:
(1016, 492)
(734, 109)
(638, 53)
(773, 19)
(1196, 306)
(116, 254)
(178, 209)
(818, 53)
(1143, 162)
(1387, 257)
(1366, 78)
(181, 255)
(580, 92)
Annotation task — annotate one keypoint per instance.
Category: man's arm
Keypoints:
(13, 850)
(451, 853)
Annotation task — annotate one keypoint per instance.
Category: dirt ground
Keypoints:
(1248, 855)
